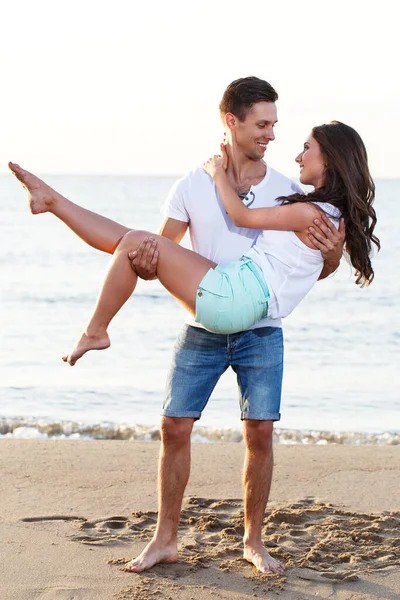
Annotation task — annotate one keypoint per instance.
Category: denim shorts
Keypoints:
(232, 298)
(201, 357)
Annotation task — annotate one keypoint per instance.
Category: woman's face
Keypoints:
(312, 163)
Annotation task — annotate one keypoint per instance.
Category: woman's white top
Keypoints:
(290, 267)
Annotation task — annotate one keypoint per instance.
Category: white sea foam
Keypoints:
(46, 430)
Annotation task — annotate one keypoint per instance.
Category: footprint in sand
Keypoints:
(315, 540)
(115, 530)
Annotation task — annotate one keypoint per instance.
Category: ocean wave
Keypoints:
(68, 430)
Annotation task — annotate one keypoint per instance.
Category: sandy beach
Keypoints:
(73, 512)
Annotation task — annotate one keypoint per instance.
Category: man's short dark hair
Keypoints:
(241, 94)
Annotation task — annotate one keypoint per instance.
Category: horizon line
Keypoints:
(159, 175)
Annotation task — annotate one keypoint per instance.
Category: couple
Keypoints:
(223, 229)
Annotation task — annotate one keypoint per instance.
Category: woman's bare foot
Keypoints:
(42, 198)
(85, 343)
(153, 554)
(262, 560)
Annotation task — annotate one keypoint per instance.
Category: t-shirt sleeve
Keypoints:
(174, 207)
(332, 212)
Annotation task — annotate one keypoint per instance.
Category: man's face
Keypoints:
(252, 136)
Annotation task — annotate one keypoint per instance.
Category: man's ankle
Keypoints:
(165, 538)
(251, 542)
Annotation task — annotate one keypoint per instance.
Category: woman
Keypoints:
(282, 265)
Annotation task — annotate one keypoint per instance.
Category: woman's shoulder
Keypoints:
(329, 209)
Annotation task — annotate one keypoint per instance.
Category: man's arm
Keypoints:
(144, 258)
(329, 241)
(173, 229)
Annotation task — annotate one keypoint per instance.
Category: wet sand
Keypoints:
(74, 512)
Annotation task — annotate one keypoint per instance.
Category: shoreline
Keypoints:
(46, 429)
(72, 512)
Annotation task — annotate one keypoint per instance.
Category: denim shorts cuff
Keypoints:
(180, 414)
(267, 417)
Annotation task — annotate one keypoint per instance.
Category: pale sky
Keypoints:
(133, 87)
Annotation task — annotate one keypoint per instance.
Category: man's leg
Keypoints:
(173, 475)
(198, 362)
(257, 477)
(97, 231)
(257, 358)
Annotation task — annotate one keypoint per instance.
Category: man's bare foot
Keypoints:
(42, 197)
(262, 560)
(153, 554)
(85, 343)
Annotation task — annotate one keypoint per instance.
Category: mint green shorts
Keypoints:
(232, 298)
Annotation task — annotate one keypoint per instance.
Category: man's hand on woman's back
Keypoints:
(329, 241)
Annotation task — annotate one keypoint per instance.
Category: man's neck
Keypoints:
(243, 171)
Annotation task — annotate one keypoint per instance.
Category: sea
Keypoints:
(341, 378)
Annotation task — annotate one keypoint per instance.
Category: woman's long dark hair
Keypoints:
(348, 186)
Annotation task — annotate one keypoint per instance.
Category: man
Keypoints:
(248, 112)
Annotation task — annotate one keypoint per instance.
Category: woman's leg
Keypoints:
(96, 230)
(178, 269)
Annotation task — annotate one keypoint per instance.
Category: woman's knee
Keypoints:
(132, 239)
(176, 430)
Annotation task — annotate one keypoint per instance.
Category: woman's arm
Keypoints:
(289, 217)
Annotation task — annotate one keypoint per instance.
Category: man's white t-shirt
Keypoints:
(194, 199)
